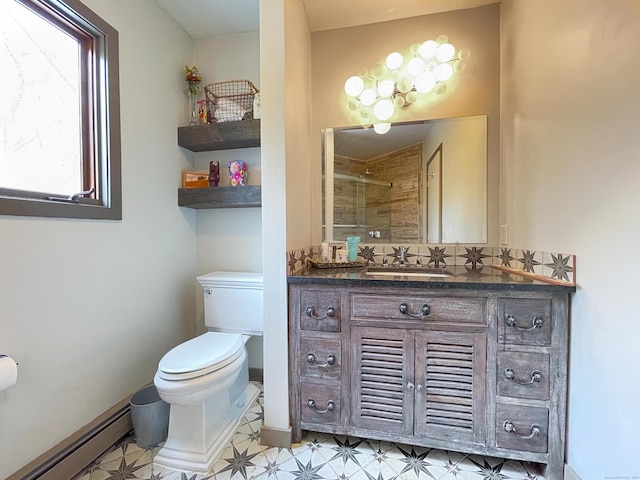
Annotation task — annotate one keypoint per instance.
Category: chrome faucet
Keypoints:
(403, 256)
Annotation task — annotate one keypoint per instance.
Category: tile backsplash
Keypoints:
(556, 266)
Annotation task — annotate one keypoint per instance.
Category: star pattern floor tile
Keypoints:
(319, 456)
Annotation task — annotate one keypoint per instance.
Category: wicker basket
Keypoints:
(231, 100)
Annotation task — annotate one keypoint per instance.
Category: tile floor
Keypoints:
(318, 457)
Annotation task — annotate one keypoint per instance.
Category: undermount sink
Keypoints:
(408, 272)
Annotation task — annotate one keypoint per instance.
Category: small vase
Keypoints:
(193, 112)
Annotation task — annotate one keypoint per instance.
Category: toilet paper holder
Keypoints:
(2, 355)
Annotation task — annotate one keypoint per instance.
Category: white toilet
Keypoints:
(206, 379)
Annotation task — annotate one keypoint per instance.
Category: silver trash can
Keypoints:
(150, 417)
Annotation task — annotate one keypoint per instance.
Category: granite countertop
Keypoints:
(462, 277)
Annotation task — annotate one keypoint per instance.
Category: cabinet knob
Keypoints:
(424, 310)
(312, 313)
(331, 360)
(410, 386)
(330, 406)
(536, 322)
(536, 377)
(511, 428)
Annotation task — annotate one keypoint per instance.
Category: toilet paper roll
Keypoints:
(8, 372)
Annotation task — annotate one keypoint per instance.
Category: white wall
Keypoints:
(274, 232)
(229, 239)
(89, 307)
(570, 171)
(285, 77)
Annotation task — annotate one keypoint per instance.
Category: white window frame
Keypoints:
(103, 116)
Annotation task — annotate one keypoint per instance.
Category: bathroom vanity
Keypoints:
(475, 362)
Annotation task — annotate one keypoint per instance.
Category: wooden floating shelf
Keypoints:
(220, 136)
(220, 197)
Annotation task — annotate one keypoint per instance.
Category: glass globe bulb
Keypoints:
(415, 66)
(411, 97)
(383, 110)
(353, 105)
(398, 102)
(378, 71)
(444, 72)
(464, 53)
(368, 97)
(354, 86)
(428, 49)
(365, 112)
(381, 128)
(386, 88)
(405, 84)
(440, 88)
(394, 61)
(425, 82)
(459, 66)
(414, 49)
(431, 66)
(445, 52)
(442, 39)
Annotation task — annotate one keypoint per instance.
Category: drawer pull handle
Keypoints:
(536, 377)
(312, 313)
(330, 406)
(424, 310)
(536, 322)
(331, 360)
(511, 428)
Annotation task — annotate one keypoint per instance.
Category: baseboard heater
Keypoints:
(75, 453)
(71, 456)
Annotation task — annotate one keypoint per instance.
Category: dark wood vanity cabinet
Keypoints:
(473, 370)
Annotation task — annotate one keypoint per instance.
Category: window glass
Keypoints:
(40, 113)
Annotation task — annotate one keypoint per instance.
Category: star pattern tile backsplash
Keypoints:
(319, 456)
(556, 266)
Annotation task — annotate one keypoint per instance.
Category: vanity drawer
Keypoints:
(320, 310)
(523, 375)
(440, 309)
(320, 403)
(320, 357)
(524, 321)
(521, 427)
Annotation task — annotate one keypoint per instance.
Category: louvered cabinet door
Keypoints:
(450, 374)
(382, 372)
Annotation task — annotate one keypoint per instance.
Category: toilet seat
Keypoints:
(201, 355)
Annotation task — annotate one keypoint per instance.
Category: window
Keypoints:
(59, 111)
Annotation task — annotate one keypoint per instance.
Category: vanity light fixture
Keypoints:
(398, 82)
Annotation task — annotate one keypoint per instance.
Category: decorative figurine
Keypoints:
(214, 173)
(238, 173)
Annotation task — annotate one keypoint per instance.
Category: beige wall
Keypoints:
(339, 54)
(89, 307)
(464, 174)
(570, 170)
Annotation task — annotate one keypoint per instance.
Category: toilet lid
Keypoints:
(203, 354)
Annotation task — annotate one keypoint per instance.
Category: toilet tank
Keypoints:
(233, 302)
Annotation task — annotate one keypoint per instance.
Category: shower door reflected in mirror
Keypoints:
(360, 207)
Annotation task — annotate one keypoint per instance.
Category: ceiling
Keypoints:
(212, 18)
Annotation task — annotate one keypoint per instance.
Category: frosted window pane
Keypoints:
(40, 131)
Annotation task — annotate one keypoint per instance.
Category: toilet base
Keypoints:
(185, 456)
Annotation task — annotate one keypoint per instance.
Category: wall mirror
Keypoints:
(421, 182)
